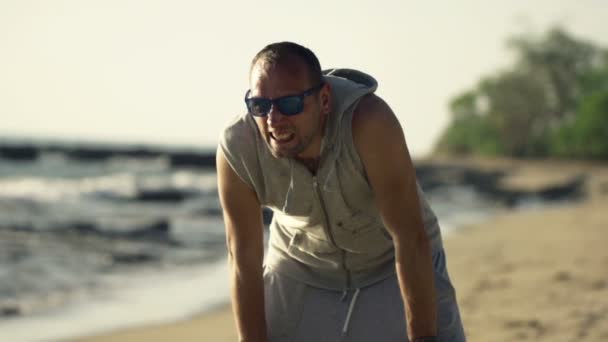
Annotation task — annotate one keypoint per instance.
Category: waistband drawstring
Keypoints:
(353, 301)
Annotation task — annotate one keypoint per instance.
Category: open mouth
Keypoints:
(281, 138)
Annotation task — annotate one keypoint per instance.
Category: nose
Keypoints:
(274, 117)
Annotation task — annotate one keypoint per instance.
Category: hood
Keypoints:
(347, 86)
(353, 75)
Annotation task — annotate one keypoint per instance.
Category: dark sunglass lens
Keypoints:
(290, 105)
(259, 107)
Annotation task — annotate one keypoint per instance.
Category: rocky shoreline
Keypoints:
(433, 174)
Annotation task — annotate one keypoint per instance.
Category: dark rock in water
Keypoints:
(431, 176)
(196, 160)
(488, 184)
(19, 152)
(101, 153)
(164, 195)
(572, 189)
(10, 311)
(156, 231)
(85, 154)
(83, 228)
(211, 212)
(142, 153)
(15, 255)
(133, 258)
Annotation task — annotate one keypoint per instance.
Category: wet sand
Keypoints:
(537, 275)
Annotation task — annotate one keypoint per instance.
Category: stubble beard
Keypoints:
(291, 152)
(302, 141)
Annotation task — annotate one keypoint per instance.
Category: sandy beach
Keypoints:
(534, 274)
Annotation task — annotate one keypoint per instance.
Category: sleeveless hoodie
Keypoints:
(326, 230)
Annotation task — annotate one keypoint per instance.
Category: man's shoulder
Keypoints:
(239, 147)
(371, 117)
(239, 128)
(238, 140)
(240, 125)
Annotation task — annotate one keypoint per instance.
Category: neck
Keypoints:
(312, 155)
(311, 164)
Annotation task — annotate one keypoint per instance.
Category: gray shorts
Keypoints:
(296, 312)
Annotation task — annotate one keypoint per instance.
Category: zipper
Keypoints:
(327, 228)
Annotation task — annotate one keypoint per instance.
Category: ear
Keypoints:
(325, 97)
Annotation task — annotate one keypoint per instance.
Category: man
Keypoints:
(355, 252)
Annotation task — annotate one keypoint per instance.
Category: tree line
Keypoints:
(552, 102)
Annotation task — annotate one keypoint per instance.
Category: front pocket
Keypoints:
(362, 234)
(313, 251)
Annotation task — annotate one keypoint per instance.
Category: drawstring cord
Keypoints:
(290, 188)
(353, 301)
(332, 169)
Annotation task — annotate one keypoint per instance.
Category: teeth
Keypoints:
(281, 136)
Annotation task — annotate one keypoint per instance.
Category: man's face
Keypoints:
(299, 135)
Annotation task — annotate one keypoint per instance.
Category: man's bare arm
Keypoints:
(381, 145)
(244, 238)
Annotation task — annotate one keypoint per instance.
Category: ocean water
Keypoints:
(91, 246)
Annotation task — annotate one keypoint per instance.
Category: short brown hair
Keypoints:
(277, 53)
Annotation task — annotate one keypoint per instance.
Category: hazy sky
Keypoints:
(174, 72)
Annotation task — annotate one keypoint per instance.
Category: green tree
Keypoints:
(551, 102)
(517, 107)
(470, 132)
(587, 135)
(559, 61)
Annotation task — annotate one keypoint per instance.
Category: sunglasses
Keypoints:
(287, 105)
